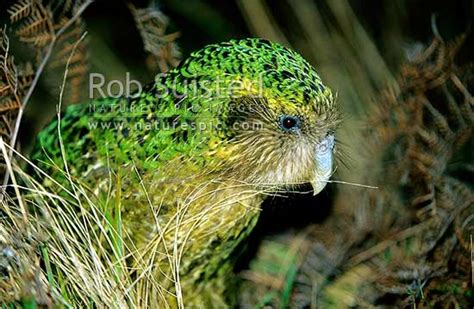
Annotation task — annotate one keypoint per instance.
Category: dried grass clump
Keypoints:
(62, 249)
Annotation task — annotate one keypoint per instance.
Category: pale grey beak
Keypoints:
(323, 166)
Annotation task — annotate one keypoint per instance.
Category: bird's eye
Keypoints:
(289, 123)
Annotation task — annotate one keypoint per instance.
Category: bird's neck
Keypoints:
(216, 230)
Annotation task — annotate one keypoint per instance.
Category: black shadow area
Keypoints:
(279, 214)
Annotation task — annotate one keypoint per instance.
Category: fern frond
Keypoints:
(39, 29)
(8, 72)
(39, 40)
(152, 25)
(35, 24)
(9, 105)
(20, 10)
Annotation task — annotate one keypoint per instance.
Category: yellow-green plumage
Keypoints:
(192, 157)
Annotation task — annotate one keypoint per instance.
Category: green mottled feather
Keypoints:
(176, 146)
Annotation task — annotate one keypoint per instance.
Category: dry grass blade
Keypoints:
(67, 243)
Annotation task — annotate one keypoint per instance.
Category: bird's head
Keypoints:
(271, 119)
